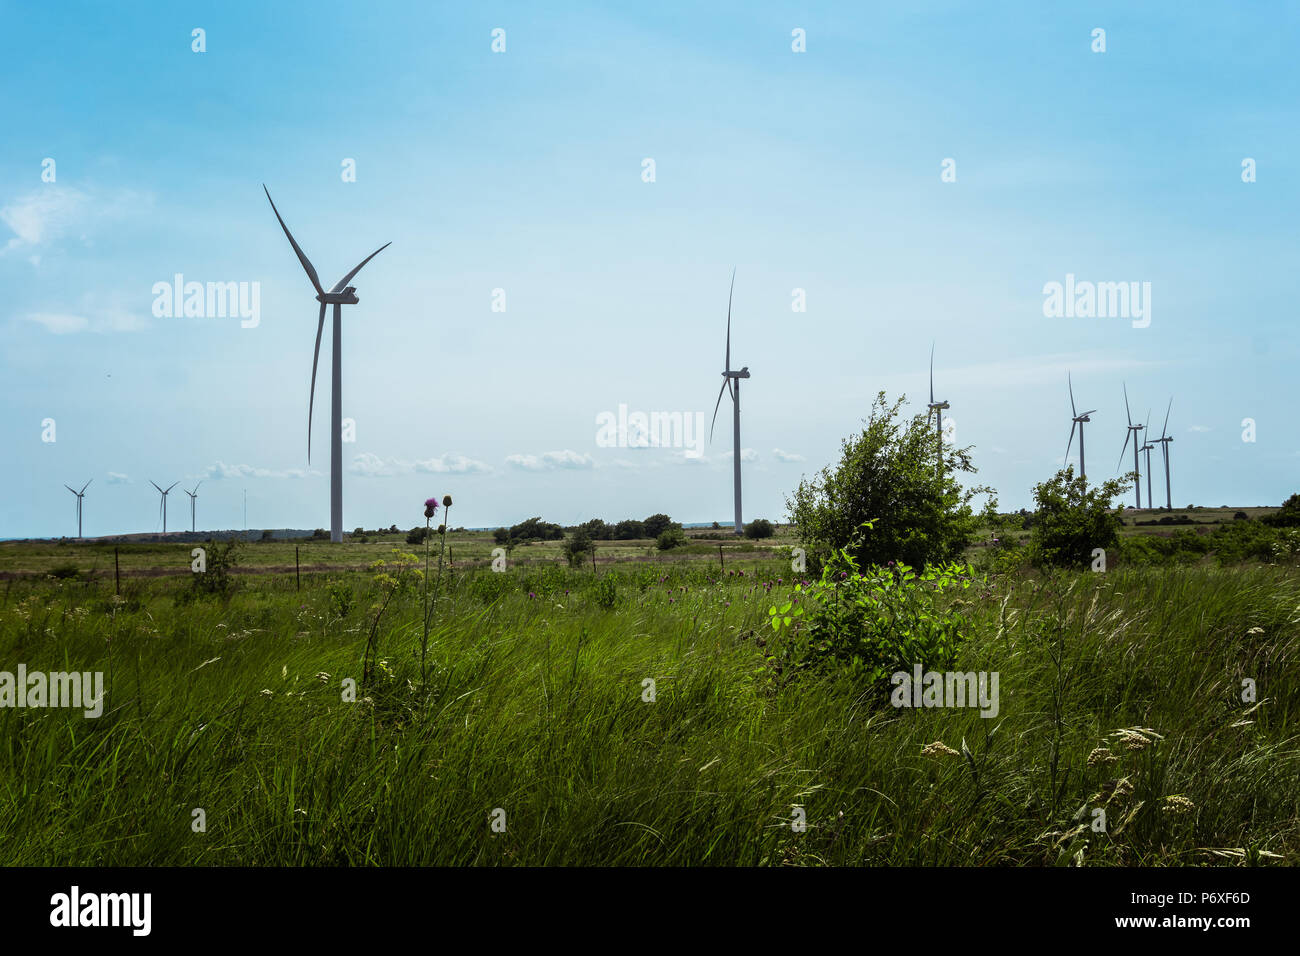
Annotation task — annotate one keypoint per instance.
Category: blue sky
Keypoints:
(522, 171)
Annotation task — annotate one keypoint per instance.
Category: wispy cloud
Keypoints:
(221, 471)
(1198, 428)
(786, 455)
(373, 466)
(45, 216)
(746, 454)
(110, 319)
(552, 460)
(117, 478)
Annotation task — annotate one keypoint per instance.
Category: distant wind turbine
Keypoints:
(1079, 421)
(1132, 433)
(342, 294)
(936, 409)
(80, 494)
(162, 507)
(1148, 448)
(1163, 441)
(194, 495)
(731, 383)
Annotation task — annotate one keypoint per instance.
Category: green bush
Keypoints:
(872, 623)
(1072, 520)
(670, 538)
(605, 591)
(1288, 516)
(892, 475)
(759, 528)
(417, 535)
(578, 546)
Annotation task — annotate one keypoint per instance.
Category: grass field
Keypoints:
(533, 739)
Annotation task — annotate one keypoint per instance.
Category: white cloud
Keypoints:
(42, 216)
(220, 470)
(117, 478)
(1199, 428)
(372, 466)
(551, 460)
(59, 323)
(746, 454)
(784, 455)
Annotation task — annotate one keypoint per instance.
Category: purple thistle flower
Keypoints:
(430, 507)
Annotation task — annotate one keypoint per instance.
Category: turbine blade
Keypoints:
(1126, 408)
(931, 373)
(171, 486)
(1073, 426)
(315, 360)
(87, 484)
(196, 488)
(1166, 424)
(1071, 384)
(155, 484)
(302, 256)
(342, 283)
(730, 293)
(725, 383)
(73, 490)
(1127, 435)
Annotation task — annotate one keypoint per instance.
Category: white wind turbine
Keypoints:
(1078, 423)
(342, 294)
(1163, 441)
(194, 496)
(80, 494)
(1132, 434)
(936, 409)
(162, 507)
(731, 383)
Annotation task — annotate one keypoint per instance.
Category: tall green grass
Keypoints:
(534, 705)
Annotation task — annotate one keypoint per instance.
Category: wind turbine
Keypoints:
(194, 495)
(1078, 423)
(1148, 447)
(80, 494)
(342, 294)
(162, 507)
(1163, 441)
(731, 383)
(1132, 433)
(936, 409)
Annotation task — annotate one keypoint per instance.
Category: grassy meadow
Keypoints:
(535, 736)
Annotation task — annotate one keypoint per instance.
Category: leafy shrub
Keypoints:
(501, 536)
(577, 546)
(220, 558)
(417, 535)
(1288, 516)
(1072, 520)
(891, 472)
(671, 538)
(759, 528)
(64, 571)
(655, 525)
(342, 598)
(605, 591)
(871, 623)
(627, 530)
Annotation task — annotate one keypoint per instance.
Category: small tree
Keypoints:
(759, 528)
(670, 538)
(655, 525)
(896, 475)
(416, 534)
(1072, 519)
(1288, 516)
(578, 546)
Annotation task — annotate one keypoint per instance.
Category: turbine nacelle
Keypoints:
(743, 373)
(347, 297)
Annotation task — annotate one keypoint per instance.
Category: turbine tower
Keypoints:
(1163, 441)
(1148, 448)
(342, 294)
(162, 507)
(1132, 433)
(193, 497)
(936, 409)
(80, 494)
(1078, 423)
(731, 383)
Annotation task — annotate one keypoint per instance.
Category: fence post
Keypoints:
(297, 570)
(117, 575)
